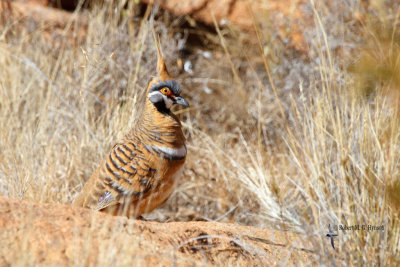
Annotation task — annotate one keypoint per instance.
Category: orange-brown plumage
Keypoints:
(139, 172)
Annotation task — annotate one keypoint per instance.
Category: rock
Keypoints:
(287, 16)
(52, 21)
(52, 234)
(39, 11)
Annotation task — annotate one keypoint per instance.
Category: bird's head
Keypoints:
(163, 91)
(166, 94)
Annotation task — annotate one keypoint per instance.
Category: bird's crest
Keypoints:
(161, 67)
(162, 71)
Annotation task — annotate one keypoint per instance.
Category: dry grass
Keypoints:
(330, 156)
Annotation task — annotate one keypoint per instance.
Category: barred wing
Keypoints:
(125, 174)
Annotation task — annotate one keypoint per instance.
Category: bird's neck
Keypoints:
(160, 127)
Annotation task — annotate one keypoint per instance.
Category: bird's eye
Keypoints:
(165, 91)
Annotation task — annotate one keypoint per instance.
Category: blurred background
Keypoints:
(293, 123)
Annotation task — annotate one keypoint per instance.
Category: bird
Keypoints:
(139, 173)
(331, 235)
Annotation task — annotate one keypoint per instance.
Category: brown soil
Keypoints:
(63, 235)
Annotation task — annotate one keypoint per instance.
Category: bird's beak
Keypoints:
(181, 101)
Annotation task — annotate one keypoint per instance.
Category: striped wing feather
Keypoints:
(124, 174)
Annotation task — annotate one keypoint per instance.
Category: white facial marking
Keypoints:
(175, 152)
(155, 93)
(168, 102)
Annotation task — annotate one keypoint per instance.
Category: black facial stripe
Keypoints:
(161, 107)
(172, 85)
